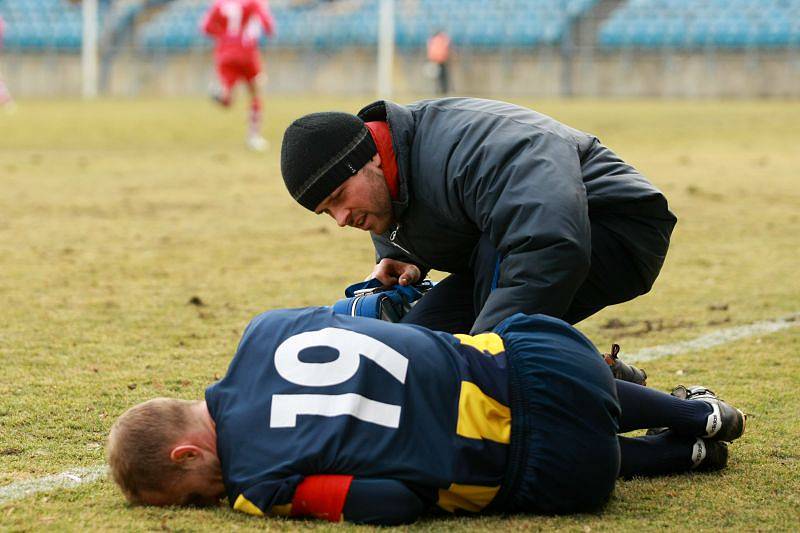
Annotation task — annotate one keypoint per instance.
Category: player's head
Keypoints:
(330, 165)
(163, 452)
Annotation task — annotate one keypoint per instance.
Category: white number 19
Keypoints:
(351, 346)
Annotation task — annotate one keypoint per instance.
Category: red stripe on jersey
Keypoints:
(321, 497)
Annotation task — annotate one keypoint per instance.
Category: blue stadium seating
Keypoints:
(490, 24)
(477, 23)
(693, 24)
(56, 24)
(44, 24)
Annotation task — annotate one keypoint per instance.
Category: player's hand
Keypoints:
(394, 272)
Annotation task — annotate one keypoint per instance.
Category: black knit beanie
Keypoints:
(322, 150)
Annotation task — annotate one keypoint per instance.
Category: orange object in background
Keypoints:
(439, 47)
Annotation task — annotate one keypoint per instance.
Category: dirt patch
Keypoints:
(638, 328)
(11, 451)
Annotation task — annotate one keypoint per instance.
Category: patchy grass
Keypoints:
(137, 238)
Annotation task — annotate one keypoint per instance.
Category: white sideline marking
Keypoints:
(65, 480)
(79, 476)
(715, 338)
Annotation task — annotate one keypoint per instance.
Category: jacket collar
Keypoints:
(383, 142)
(401, 126)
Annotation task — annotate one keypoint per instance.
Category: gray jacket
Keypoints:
(468, 167)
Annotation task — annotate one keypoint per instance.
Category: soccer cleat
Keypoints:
(622, 370)
(709, 455)
(257, 143)
(725, 423)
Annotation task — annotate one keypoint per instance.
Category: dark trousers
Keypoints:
(627, 254)
(442, 78)
(566, 414)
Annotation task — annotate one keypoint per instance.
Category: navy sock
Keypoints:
(655, 455)
(644, 408)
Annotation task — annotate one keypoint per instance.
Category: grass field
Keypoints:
(115, 215)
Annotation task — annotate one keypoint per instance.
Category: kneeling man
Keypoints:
(339, 417)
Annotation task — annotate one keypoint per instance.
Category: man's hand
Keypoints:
(394, 272)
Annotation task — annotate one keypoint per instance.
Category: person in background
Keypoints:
(236, 25)
(6, 101)
(345, 418)
(439, 56)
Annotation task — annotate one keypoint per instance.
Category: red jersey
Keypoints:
(439, 48)
(237, 25)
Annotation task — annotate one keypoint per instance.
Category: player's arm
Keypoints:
(382, 501)
(336, 498)
(213, 22)
(266, 18)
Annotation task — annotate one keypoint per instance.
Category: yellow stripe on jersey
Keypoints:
(246, 506)
(485, 342)
(467, 497)
(482, 417)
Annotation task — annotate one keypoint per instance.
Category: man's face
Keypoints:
(200, 487)
(362, 201)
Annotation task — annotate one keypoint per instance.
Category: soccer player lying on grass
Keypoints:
(337, 417)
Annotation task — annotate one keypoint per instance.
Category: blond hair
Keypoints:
(140, 442)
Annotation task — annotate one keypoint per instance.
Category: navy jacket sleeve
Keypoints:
(534, 210)
(381, 501)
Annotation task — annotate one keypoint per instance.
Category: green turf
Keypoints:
(115, 215)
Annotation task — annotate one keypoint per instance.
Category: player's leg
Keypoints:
(699, 413)
(254, 117)
(5, 94)
(251, 72)
(227, 74)
(644, 408)
(698, 423)
(669, 453)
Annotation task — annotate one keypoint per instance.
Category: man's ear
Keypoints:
(183, 453)
(376, 159)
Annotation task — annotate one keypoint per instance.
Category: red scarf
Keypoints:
(383, 141)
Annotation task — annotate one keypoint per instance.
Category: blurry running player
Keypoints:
(236, 25)
(5, 96)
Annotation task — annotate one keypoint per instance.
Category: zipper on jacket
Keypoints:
(392, 237)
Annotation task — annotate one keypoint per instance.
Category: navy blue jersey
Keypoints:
(310, 392)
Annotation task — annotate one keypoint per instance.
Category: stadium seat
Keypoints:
(481, 23)
(45, 24)
(730, 24)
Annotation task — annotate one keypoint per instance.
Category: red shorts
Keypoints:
(233, 69)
